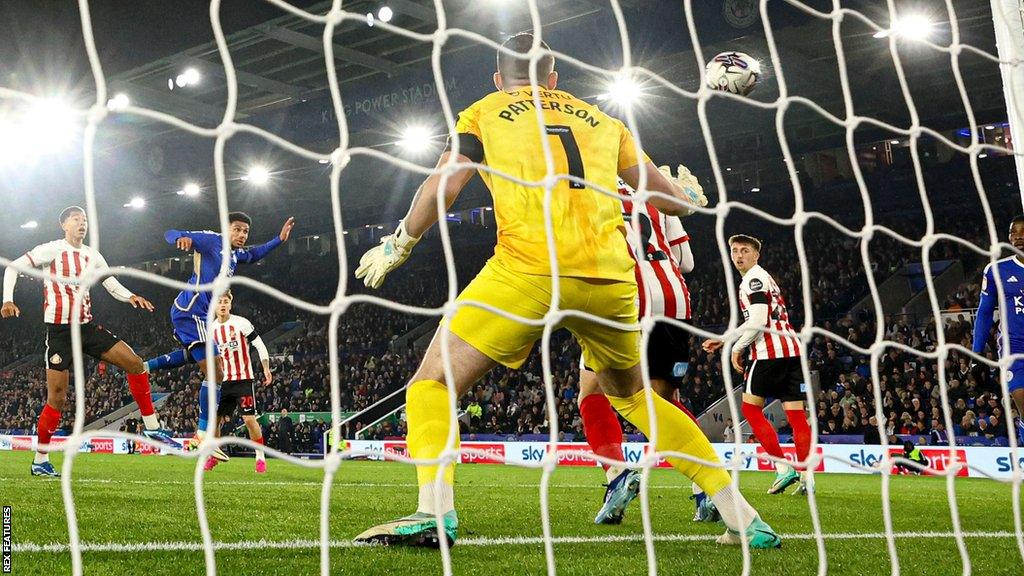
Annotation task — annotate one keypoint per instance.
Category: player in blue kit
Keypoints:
(1011, 276)
(188, 313)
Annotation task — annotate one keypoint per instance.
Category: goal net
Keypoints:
(873, 243)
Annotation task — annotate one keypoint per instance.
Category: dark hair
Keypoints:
(744, 239)
(239, 217)
(67, 212)
(517, 68)
(1019, 218)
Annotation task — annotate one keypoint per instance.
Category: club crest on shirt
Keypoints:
(55, 359)
(756, 285)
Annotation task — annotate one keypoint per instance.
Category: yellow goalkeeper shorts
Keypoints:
(509, 342)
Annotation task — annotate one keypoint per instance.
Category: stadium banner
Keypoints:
(836, 458)
(95, 445)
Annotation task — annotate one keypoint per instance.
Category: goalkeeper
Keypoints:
(595, 275)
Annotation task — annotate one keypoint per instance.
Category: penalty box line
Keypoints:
(131, 547)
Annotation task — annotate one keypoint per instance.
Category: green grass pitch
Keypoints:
(142, 513)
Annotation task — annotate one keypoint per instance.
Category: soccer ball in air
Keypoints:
(734, 72)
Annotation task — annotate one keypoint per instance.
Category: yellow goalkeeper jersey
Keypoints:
(501, 130)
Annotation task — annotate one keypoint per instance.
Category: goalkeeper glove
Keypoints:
(382, 259)
(689, 183)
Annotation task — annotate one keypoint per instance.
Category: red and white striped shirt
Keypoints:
(662, 288)
(59, 296)
(758, 285)
(232, 340)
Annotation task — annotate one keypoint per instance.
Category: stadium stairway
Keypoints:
(379, 411)
(282, 333)
(24, 361)
(904, 291)
(113, 420)
(417, 335)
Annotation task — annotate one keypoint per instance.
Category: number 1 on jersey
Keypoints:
(572, 153)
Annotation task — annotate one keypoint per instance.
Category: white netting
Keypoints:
(340, 157)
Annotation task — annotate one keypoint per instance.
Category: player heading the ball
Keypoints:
(595, 277)
(64, 296)
(190, 307)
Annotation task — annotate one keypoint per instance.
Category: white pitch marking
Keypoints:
(482, 542)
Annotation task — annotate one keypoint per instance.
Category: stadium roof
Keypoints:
(387, 84)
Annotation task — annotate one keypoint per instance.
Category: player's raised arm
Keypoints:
(200, 240)
(657, 181)
(986, 308)
(393, 250)
(257, 253)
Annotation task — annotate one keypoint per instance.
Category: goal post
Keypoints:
(1008, 19)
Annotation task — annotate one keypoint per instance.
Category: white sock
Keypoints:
(613, 472)
(41, 457)
(259, 455)
(151, 422)
(735, 517)
(428, 497)
(696, 489)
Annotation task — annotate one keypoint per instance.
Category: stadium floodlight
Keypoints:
(190, 77)
(120, 101)
(258, 175)
(894, 141)
(191, 189)
(30, 225)
(755, 189)
(624, 91)
(324, 161)
(415, 139)
(385, 14)
(990, 127)
(48, 125)
(136, 203)
(369, 19)
(911, 27)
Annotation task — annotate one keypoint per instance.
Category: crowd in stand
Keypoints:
(372, 364)
(24, 391)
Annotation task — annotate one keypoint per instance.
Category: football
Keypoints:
(734, 72)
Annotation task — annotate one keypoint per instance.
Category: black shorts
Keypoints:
(234, 394)
(668, 352)
(96, 340)
(779, 378)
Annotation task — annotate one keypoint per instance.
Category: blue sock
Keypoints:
(167, 361)
(204, 414)
(699, 499)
